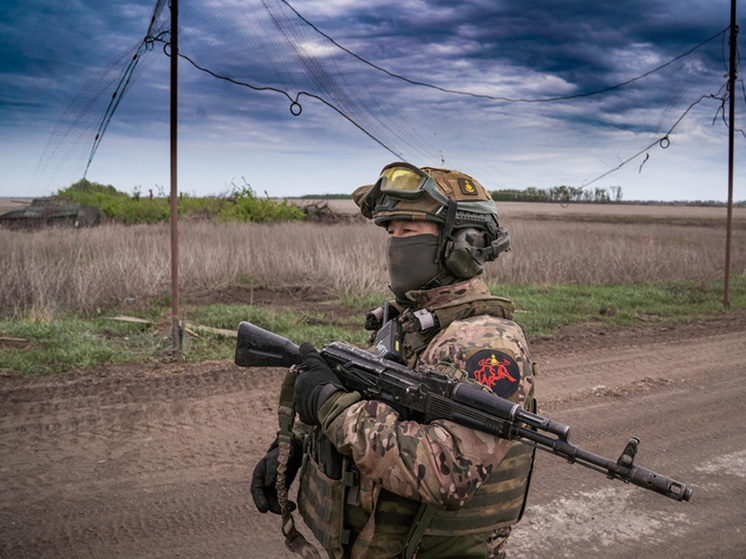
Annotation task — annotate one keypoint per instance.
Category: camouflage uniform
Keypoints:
(476, 483)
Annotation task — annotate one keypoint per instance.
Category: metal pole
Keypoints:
(176, 335)
(731, 128)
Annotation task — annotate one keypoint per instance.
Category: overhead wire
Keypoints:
(501, 98)
(118, 95)
(346, 105)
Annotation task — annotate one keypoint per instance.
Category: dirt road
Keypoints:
(154, 460)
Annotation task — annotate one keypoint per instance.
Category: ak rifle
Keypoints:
(438, 396)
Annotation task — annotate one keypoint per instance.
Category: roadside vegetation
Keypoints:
(62, 287)
(241, 204)
(37, 346)
(70, 341)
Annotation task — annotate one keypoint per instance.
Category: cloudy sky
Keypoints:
(517, 93)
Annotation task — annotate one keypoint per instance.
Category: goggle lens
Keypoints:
(401, 180)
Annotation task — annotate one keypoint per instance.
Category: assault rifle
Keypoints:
(437, 396)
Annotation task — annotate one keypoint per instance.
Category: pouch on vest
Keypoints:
(387, 342)
(321, 493)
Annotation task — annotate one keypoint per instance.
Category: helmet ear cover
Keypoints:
(468, 248)
(461, 256)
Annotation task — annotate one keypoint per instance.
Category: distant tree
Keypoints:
(600, 195)
(562, 193)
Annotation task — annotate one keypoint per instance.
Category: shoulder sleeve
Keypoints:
(486, 349)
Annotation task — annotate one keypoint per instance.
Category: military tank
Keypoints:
(45, 212)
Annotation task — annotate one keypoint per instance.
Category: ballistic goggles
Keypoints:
(402, 181)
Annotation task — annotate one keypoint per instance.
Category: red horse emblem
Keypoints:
(491, 370)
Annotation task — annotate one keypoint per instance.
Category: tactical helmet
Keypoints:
(469, 231)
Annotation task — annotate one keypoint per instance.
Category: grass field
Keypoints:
(619, 264)
(89, 269)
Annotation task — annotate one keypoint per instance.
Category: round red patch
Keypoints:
(496, 370)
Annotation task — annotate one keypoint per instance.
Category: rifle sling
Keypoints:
(294, 540)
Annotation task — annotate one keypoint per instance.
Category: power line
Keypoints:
(500, 98)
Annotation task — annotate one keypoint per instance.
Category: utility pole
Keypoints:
(176, 332)
(731, 129)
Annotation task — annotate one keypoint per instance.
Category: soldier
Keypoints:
(375, 483)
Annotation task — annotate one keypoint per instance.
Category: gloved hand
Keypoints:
(314, 385)
(264, 478)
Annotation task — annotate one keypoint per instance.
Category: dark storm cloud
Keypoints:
(58, 36)
(521, 50)
(53, 51)
(575, 40)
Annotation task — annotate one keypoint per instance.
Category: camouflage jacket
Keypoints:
(442, 464)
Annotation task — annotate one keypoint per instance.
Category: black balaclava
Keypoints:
(412, 262)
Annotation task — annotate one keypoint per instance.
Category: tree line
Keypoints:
(562, 194)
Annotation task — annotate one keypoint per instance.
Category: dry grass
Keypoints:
(53, 269)
(592, 253)
(89, 269)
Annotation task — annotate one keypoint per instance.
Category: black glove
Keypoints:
(314, 385)
(264, 478)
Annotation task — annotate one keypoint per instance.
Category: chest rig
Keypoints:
(402, 334)
(500, 501)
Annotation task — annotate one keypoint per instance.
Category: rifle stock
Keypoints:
(436, 396)
(257, 347)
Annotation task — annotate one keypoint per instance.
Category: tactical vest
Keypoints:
(498, 503)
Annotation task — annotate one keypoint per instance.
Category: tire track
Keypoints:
(154, 460)
(691, 430)
(575, 375)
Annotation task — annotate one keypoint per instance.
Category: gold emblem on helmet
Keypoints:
(467, 187)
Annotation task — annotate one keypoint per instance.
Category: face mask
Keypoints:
(411, 262)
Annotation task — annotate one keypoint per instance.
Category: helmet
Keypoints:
(469, 231)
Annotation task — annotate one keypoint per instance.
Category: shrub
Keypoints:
(248, 207)
(241, 205)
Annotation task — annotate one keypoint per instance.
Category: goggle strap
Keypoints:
(370, 200)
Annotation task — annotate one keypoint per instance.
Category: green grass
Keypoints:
(72, 342)
(365, 302)
(545, 309)
(315, 328)
(75, 343)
